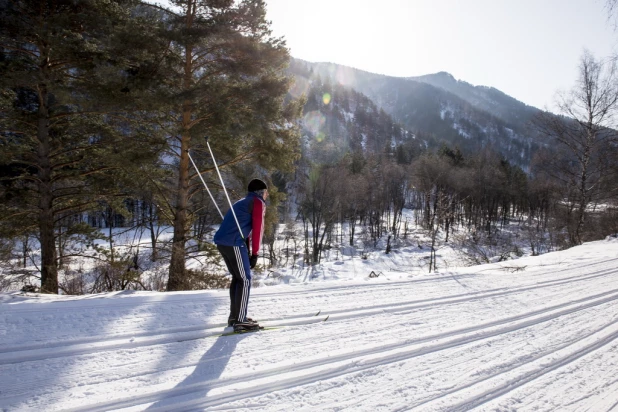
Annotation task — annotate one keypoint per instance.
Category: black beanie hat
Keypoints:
(255, 185)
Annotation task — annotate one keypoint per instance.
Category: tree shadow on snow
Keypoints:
(204, 378)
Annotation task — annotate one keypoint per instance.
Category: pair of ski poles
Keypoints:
(222, 184)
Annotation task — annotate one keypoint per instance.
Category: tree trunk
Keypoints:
(177, 262)
(583, 191)
(306, 233)
(153, 236)
(352, 229)
(110, 223)
(49, 268)
(25, 247)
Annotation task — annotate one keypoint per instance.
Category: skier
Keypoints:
(240, 252)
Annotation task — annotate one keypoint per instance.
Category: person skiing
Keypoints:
(240, 250)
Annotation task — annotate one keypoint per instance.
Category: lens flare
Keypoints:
(320, 137)
(314, 121)
(326, 98)
(300, 87)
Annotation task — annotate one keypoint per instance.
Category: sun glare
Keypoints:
(484, 42)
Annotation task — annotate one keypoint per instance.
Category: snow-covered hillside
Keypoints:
(539, 333)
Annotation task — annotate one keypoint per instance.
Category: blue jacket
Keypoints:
(250, 214)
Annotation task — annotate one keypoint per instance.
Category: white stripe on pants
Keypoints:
(242, 315)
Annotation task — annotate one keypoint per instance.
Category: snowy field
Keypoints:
(538, 333)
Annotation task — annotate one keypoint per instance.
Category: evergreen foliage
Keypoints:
(69, 129)
(101, 103)
(225, 81)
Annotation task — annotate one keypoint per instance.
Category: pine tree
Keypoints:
(226, 81)
(70, 72)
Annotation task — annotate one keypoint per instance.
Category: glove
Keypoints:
(253, 261)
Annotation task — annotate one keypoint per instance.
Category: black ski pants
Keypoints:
(237, 260)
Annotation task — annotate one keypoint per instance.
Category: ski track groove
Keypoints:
(594, 407)
(305, 319)
(182, 299)
(10, 355)
(527, 377)
(530, 376)
(352, 361)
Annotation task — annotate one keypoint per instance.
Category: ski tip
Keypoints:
(319, 311)
(326, 318)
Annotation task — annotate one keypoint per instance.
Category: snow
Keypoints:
(486, 338)
(446, 111)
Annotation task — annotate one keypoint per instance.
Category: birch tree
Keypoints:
(584, 136)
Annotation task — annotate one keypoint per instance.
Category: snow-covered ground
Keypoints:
(538, 333)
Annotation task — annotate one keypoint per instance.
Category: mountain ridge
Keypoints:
(441, 109)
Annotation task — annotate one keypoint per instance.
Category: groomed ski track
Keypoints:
(544, 338)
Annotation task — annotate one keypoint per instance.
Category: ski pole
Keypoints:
(223, 184)
(200, 175)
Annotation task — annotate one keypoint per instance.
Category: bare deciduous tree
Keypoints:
(318, 207)
(612, 11)
(583, 138)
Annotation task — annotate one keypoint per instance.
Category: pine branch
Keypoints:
(16, 215)
(54, 66)
(163, 195)
(161, 8)
(198, 120)
(19, 50)
(84, 205)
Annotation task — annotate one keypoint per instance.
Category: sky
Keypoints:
(529, 49)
